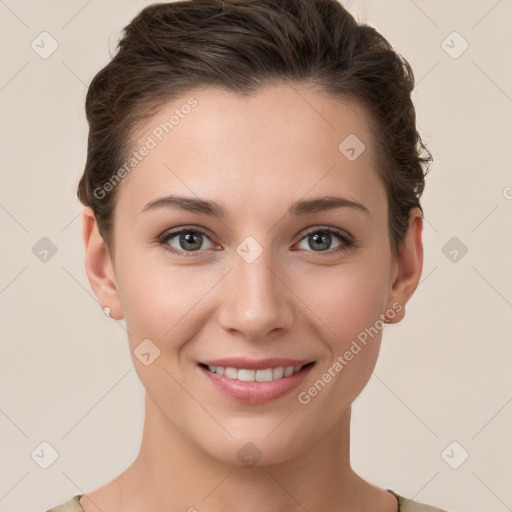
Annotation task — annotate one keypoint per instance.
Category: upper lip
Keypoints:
(256, 364)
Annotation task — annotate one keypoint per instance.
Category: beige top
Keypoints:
(404, 505)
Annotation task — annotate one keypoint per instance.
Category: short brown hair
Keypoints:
(242, 45)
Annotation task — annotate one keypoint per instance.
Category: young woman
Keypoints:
(252, 193)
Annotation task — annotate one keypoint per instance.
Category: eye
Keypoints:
(187, 241)
(320, 239)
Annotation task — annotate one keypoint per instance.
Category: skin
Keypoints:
(255, 156)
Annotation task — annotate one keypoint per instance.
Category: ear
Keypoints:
(98, 265)
(408, 265)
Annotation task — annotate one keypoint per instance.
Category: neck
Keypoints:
(170, 472)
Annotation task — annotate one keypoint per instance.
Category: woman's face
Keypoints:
(276, 276)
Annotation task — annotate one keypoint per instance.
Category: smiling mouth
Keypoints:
(262, 375)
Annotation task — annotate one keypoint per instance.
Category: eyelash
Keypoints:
(347, 243)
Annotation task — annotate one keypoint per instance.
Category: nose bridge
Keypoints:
(256, 276)
(255, 301)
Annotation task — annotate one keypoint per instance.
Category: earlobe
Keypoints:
(409, 264)
(98, 265)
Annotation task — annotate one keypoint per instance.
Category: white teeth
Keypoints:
(247, 375)
(231, 373)
(263, 375)
(278, 372)
(288, 371)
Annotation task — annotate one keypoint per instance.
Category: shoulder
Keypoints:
(407, 505)
(73, 505)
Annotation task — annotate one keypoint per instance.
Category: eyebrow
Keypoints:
(203, 207)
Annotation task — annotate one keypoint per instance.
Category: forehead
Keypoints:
(282, 140)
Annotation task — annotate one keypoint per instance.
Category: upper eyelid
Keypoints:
(338, 231)
(185, 229)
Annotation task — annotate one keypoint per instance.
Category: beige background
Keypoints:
(444, 374)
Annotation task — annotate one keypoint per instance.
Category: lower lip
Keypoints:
(256, 392)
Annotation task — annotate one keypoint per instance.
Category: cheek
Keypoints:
(160, 301)
(347, 300)
(350, 310)
(348, 304)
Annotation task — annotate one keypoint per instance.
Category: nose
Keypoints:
(256, 300)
